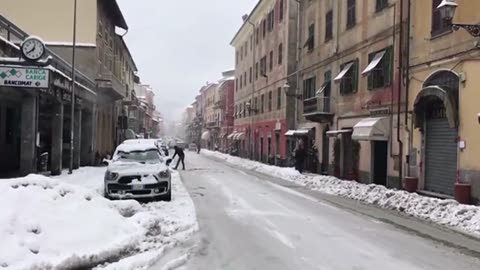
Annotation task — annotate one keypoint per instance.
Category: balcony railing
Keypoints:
(318, 109)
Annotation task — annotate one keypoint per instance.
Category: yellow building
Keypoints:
(443, 97)
(350, 80)
(101, 53)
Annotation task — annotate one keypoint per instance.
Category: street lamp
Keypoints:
(447, 10)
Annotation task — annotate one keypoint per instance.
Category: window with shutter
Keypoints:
(351, 14)
(349, 82)
(279, 98)
(381, 75)
(280, 53)
(329, 26)
(270, 100)
(280, 15)
(271, 60)
(310, 44)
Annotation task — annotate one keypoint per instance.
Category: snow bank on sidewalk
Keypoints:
(65, 222)
(450, 213)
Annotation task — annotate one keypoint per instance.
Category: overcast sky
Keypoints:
(180, 45)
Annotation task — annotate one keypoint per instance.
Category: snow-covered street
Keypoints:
(65, 223)
(249, 221)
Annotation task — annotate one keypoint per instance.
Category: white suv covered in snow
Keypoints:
(138, 171)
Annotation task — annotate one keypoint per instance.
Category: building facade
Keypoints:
(99, 52)
(35, 120)
(444, 125)
(350, 81)
(265, 60)
(226, 90)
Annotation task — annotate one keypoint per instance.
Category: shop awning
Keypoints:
(372, 129)
(376, 59)
(333, 133)
(206, 135)
(231, 136)
(343, 72)
(239, 136)
(298, 132)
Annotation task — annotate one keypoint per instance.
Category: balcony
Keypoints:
(213, 124)
(110, 86)
(318, 109)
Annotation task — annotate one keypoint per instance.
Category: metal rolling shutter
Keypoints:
(440, 156)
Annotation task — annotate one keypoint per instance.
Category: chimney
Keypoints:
(245, 17)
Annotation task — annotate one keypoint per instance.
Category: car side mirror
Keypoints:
(106, 162)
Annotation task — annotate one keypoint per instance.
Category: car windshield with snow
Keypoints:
(138, 171)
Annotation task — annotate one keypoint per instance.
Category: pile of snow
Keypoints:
(450, 213)
(65, 222)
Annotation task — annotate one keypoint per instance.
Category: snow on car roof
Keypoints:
(141, 141)
(130, 147)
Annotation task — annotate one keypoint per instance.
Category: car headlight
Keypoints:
(164, 174)
(109, 176)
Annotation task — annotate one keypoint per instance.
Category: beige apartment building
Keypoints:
(350, 81)
(265, 63)
(101, 54)
(443, 97)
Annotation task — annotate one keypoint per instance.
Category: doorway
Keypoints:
(380, 157)
(261, 149)
(9, 137)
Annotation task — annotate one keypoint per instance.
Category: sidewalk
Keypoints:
(443, 214)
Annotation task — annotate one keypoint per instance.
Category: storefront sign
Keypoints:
(24, 77)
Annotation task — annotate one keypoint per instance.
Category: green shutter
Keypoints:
(388, 66)
(370, 74)
(342, 84)
(355, 76)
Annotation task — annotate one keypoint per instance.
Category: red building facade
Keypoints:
(264, 108)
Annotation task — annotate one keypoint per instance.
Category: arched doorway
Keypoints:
(436, 114)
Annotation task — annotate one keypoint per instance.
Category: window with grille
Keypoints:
(309, 88)
(381, 75)
(349, 82)
(351, 13)
(329, 26)
(381, 5)
(439, 25)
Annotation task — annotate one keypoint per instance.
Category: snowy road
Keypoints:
(249, 222)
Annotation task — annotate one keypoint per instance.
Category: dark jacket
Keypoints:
(179, 152)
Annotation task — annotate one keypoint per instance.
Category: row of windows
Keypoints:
(350, 23)
(267, 25)
(379, 72)
(260, 68)
(246, 109)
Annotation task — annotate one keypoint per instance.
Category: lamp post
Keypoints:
(72, 111)
(447, 10)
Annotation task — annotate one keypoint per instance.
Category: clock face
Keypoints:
(33, 49)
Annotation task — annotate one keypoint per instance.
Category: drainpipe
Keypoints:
(299, 53)
(400, 70)
(407, 87)
(251, 133)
